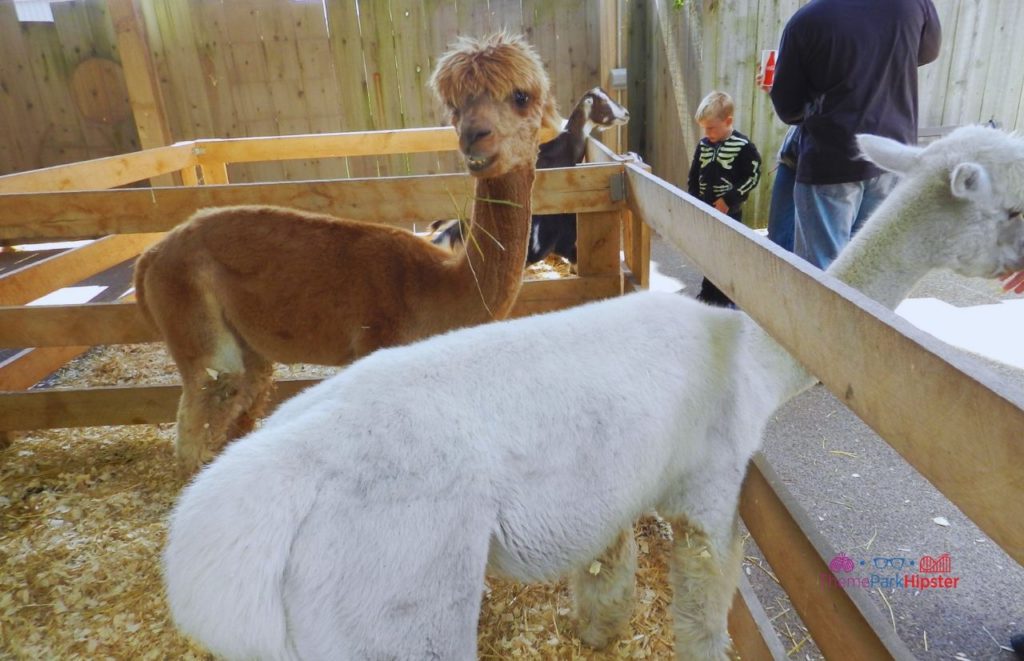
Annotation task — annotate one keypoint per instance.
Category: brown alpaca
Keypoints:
(233, 289)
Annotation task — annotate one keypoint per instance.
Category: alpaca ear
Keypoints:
(970, 181)
(887, 153)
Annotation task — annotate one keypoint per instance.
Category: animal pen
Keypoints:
(957, 425)
(925, 411)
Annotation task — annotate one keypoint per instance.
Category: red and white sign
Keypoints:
(767, 69)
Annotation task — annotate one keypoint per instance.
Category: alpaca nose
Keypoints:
(471, 135)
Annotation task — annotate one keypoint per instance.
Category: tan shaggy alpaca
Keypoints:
(233, 289)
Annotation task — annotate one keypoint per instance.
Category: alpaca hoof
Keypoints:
(599, 630)
(598, 637)
(186, 469)
(7, 438)
(189, 463)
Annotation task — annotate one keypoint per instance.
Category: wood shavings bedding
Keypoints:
(82, 525)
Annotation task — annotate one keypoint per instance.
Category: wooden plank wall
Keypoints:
(240, 68)
(62, 96)
(979, 74)
(234, 68)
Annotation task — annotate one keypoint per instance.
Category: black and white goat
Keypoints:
(556, 232)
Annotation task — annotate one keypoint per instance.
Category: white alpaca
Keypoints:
(359, 521)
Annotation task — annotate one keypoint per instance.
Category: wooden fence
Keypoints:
(74, 201)
(682, 51)
(913, 390)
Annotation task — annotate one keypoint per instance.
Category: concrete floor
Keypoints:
(868, 502)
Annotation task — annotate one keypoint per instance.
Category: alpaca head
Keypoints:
(970, 190)
(498, 96)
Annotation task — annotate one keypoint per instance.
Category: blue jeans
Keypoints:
(827, 215)
(781, 211)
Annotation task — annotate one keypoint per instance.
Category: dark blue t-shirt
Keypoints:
(847, 67)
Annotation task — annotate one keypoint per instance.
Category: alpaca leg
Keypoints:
(255, 386)
(705, 571)
(214, 381)
(603, 592)
(208, 354)
(209, 405)
(193, 428)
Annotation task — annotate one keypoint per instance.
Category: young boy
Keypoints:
(726, 167)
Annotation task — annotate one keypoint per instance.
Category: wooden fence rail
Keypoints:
(100, 173)
(397, 201)
(134, 218)
(926, 411)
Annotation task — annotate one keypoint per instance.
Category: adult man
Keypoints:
(847, 67)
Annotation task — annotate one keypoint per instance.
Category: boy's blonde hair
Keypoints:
(716, 105)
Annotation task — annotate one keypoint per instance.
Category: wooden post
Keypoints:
(636, 239)
(597, 243)
(637, 77)
(140, 75)
(636, 235)
(214, 173)
(189, 176)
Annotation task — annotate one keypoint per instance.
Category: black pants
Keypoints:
(709, 293)
(712, 295)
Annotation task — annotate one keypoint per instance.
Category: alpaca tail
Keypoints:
(228, 546)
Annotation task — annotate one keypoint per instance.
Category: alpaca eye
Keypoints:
(1015, 214)
(521, 98)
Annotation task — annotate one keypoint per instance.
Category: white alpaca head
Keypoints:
(970, 188)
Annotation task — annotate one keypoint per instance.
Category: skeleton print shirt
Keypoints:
(728, 169)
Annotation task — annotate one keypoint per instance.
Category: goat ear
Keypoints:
(970, 181)
(887, 153)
